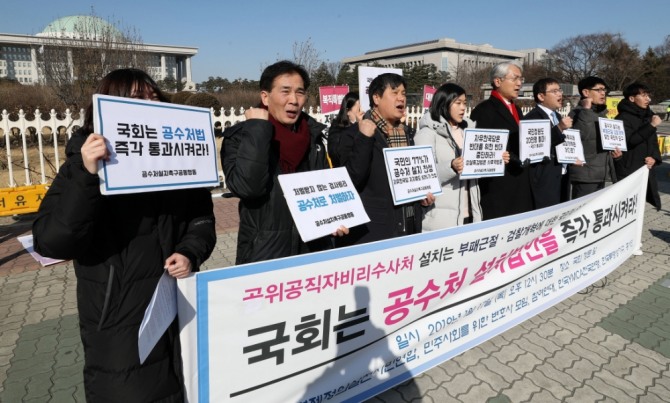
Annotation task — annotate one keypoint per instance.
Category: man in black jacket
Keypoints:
(547, 182)
(277, 138)
(509, 194)
(640, 124)
(361, 151)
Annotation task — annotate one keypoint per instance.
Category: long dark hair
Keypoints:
(348, 102)
(442, 100)
(120, 83)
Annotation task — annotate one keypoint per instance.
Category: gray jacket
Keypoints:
(447, 210)
(599, 164)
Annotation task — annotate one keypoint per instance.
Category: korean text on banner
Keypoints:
(411, 172)
(154, 145)
(321, 201)
(483, 153)
(534, 140)
(612, 134)
(330, 98)
(349, 323)
(428, 92)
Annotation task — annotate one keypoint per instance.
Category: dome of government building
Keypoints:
(81, 27)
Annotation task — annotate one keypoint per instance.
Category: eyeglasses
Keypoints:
(601, 89)
(557, 91)
(515, 79)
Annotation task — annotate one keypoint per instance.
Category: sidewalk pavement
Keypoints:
(610, 345)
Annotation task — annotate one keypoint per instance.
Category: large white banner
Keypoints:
(347, 324)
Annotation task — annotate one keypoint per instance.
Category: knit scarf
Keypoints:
(293, 144)
(510, 106)
(395, 136)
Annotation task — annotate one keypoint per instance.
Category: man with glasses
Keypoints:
(548, 184)
(509, 194)
(591, 176)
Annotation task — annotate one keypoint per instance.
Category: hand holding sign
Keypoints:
(94, 150)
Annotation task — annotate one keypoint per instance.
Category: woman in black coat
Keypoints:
(121, 245)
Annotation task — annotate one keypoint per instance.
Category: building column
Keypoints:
(162, 68)
(34, 74)
(188, 69)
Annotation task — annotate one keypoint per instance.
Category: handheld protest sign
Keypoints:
(534, 139)
(612, 134)
(330, 98)
(570, 150)
(154, 145)
(482, 153)
(412, 173)
(321, 201)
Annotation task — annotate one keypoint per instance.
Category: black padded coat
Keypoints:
(119, 245)
(250, 160)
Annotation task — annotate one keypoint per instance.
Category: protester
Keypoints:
(640, 125)
(547, 180)
(350, 109)
(276, 138)
(121, 245)
(509, 194)
(361, 152)
(590, 177)
(442, 128)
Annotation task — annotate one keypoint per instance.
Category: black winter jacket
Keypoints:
(250, 160)
(642, 142)
(364, 159)
(509, 194)
(119, 245)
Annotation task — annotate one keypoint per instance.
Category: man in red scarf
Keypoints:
(509, 194)
(277, 138)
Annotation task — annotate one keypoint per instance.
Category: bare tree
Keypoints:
(580, 56)
(73, 62)
(306, 54)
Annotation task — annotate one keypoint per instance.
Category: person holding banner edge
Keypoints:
(640, 124)
(509, 194)
(276, 138)
(547, 182)
(121, 246)
(442, 127)
(361, 151)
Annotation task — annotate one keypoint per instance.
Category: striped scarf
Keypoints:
(395, 137)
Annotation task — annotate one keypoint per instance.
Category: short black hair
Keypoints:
(381, 82)
(540, 87)
(588, 83)
(280, 68)
(635, 89)
(442, 100)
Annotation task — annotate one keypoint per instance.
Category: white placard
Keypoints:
(612, 134)
(482, 153)
(570, 150)
(154, 145)
(158, 316)
(534, 140)
(27, 242)
(412, 173)
(321, 201)
(365, 76)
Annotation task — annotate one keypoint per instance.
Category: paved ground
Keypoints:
(611, 345)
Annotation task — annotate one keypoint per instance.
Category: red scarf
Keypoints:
(293, 144)
(510, 105)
